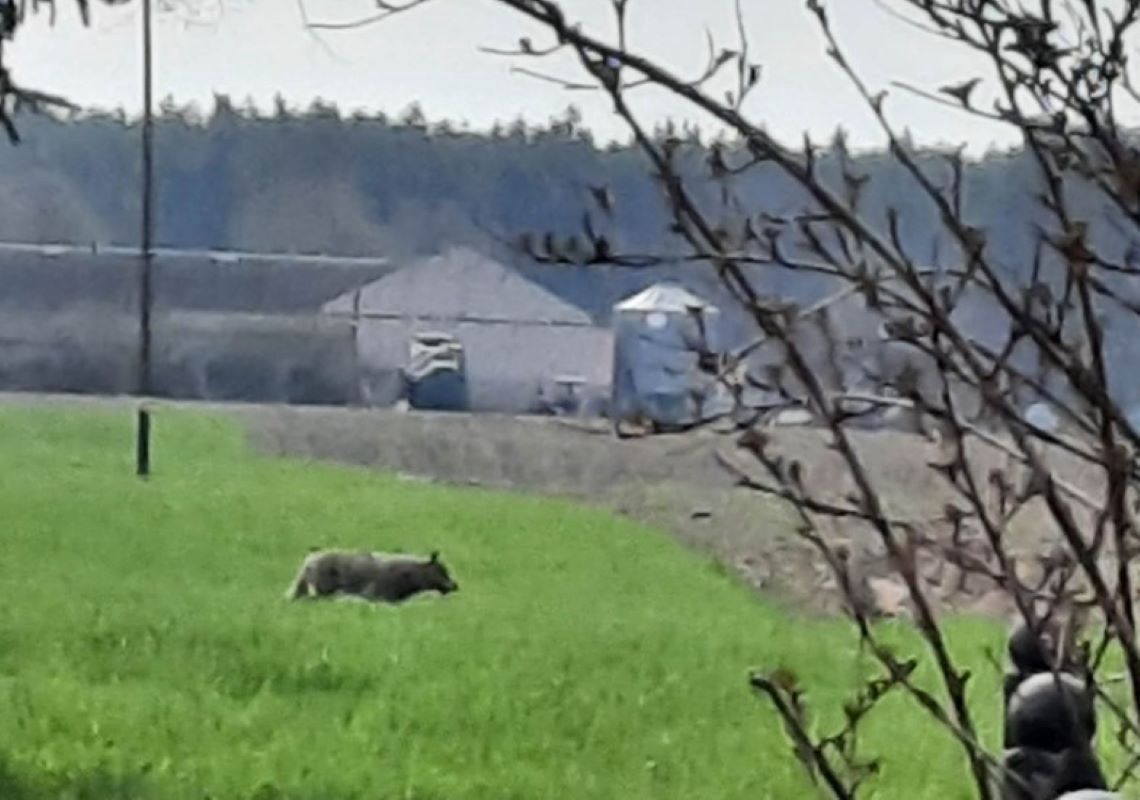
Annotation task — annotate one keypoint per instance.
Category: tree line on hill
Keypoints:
(318, 181)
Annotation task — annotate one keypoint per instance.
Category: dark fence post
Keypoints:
(142, 449)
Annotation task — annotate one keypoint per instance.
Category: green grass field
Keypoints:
(146, 649)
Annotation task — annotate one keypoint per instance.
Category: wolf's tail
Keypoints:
(300, 586)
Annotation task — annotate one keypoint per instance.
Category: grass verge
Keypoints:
(146, 650)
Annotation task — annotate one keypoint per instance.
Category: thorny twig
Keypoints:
(1060, 86)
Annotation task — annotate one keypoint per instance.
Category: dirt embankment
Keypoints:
(679, 484)
(675, 483)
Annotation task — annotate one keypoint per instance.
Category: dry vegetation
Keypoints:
(1059, 75)
(678, 483)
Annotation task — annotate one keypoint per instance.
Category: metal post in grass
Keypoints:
(142, 443)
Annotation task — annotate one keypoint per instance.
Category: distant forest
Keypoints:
(317, 181)
(314, 181)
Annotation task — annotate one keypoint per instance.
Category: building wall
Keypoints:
(506, 363)
(275, 358)
(219, 356)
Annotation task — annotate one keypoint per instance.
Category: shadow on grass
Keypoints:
(98, 783)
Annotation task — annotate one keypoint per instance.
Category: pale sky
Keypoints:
(256, 48)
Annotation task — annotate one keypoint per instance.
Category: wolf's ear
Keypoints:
(434, 556)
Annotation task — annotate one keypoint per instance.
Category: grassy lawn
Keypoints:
(146, 649)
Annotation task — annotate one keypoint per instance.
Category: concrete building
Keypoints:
(518, 339)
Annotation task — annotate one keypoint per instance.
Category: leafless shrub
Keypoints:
(1059, 74)
(15, 97)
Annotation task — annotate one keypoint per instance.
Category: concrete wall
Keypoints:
(219, 356)
(506, 363)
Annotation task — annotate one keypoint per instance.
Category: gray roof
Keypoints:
(52, 276)
(460, 284)
(665, 296)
